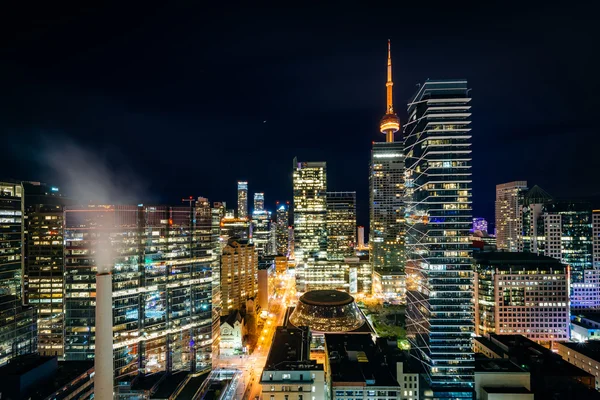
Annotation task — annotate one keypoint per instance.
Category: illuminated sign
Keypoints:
(390, 155)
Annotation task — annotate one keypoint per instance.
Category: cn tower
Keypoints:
(390, 123)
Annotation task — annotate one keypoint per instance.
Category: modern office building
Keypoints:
(596, 238)
(17, 321)
(523, 294)
(242, 198)
(351, 275)
(508, 214)
(165, 287)
(289, 373)
(310, 210)
(44, 263)
(239, 266)
(281, 233)
(480, 224)
(532, 236)
(439, 216)
(585, 295)
(386, 191)
(259, 202)
(234, 228)
(341, 225)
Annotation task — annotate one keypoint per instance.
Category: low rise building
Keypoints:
(352, 275)
(585, 327)
(356, 369)
(523, 294)
(289, 372)
(501, 379)
(233, 331)
(582, 355)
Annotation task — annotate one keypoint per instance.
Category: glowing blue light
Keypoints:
(54, 189)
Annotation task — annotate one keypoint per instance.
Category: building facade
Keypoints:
(259, 202)
(341, 225)
(523, 294)
(282, 234)
(310, 210)
(239, 266)
(439, 219)
(232, 333)
(165, 299)
(351, 275)
(18, 334)
(508, 215)
(480, 224)
(242, 198)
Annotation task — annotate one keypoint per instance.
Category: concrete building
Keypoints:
(390, 285)
(585, 296)
(582, 355)
(361, 239)
(341, 225)
(439, 219)
(585, 327)
(239, 265)
(521, 293)
(501, 379)
(266, 286)
(310, 210)
(508, 214)
(551, 376)
(356, 369)
(351, 275)
(233, 331)
(17, 321)
(289, 372)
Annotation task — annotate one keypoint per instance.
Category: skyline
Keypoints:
(127, 99)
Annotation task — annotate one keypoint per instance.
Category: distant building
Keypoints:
(44, 263)
(508, 218)
(289, 373)
(356, 368)
(521, 293)
(239, 264)
(310, 210)
(242, 198)
(585, 296)
(38, 377)
(351, 275)
(262, 234)
(235, 228)
(480, 224)
(233, 331)
(266, 288)
(282, 234)
(585, 327)
(361, 238)
(596, 238)
(18, 332)
(259, 202)
(341, 225)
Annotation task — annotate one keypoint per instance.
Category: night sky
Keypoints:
(181, 99)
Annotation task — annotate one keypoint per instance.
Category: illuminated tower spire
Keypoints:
(390, 123)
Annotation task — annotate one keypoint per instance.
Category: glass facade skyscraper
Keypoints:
(341, 225)
(259, 202)
(310, 209)
(509, 202)
(439, 218)
(282, 233)
(242, 198)
(166, 303)
(17, 322)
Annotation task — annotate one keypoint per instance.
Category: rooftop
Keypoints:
(326, 298)
(290, 350)
(496, 365)
(514, 259)
(589, 349)
(355, 358)
(505, 389)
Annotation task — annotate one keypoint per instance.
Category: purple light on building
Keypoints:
(480, 224)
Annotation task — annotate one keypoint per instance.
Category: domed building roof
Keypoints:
(327, 311)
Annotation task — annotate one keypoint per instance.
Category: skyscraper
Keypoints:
(480, 224)
(341, 225)
(164, 296)
(509, 199)
(242, 193)
(439, 219)
(386, 190)
(259, 201)
(282, 233)
(17, 323)
(310, 209)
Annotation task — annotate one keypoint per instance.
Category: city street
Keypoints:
(252, 365)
